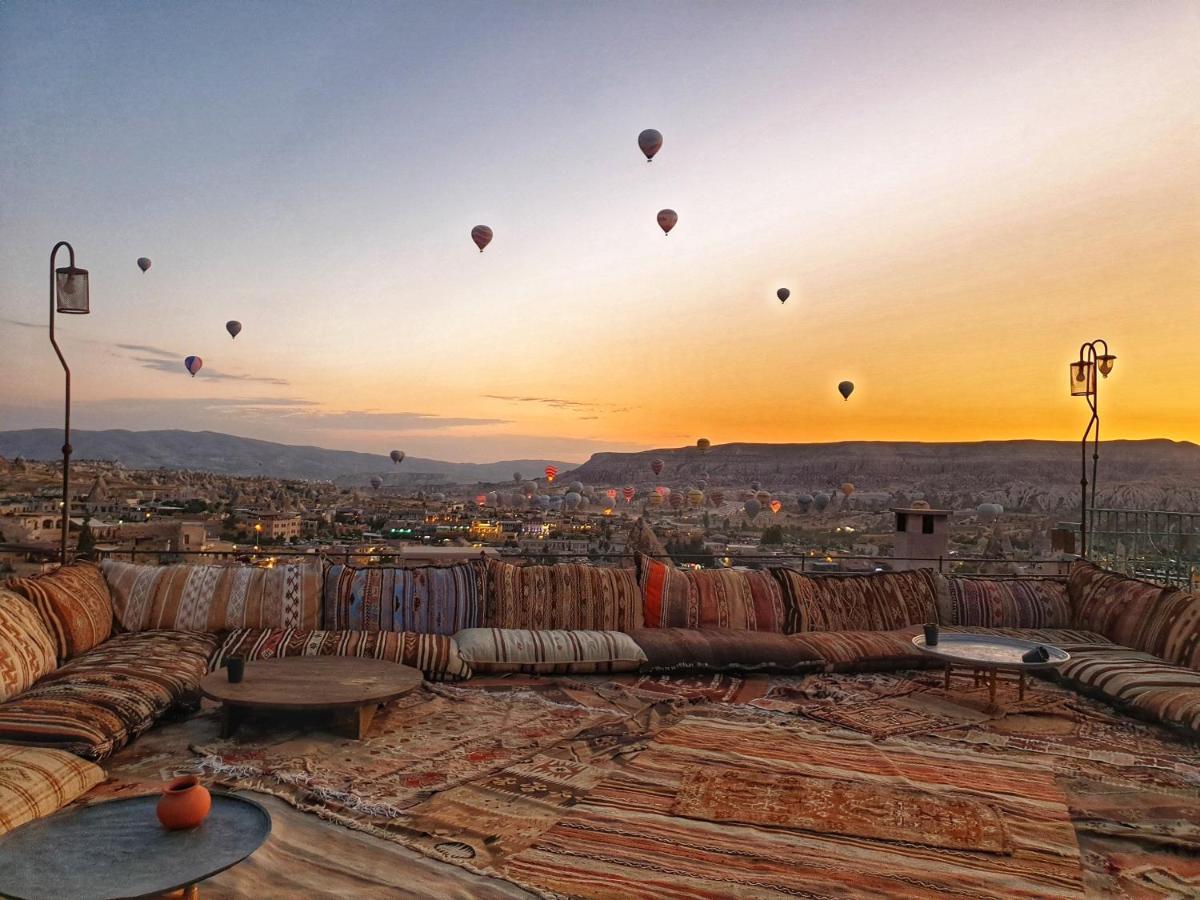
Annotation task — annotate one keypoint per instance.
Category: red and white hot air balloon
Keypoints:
(482, 236)
(667, 219)
(627, 492)
(611, 493)
(551, 474)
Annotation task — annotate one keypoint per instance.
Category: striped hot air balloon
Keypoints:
(551, 474)
(695, 498)
(627, 492)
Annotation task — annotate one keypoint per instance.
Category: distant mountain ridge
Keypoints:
(226, 454)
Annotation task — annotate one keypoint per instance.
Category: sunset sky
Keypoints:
(957, 195)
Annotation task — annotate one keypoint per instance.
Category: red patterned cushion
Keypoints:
(1121, 608)
(1006, 602)
(736, 599)
(102, 699)
(880, 602)
(562, 597)
(26, 649)
(74, 603)
(723, 649)
(863, 651)
(435, 655)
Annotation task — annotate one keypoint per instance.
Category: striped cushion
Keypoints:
(1120, 608)
(35, 782)
(430, 600)
(215, 598)
(517, 650)
(1137, 682)
(74, 603)
(883, 601)
(1005, 602)
(722, 649)
(571, 597)
(1069, 639)
(101, 700)
(435, 655)
(26, 648)
(866, 651)
(709, 598)
(1173, 631)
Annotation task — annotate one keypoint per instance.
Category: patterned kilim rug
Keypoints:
(627, 838)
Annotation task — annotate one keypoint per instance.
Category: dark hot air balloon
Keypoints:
(144, 263)
(233, 327)
(193, 364)
(717, 497)
(397, 456)
(703, 445)
(376, 482)
(783, 294)
(656, 466)
(650, 142)
(482, 236)
(846, 388)
(667, 219)
(753, 508)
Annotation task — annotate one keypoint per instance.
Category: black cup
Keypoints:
(931, 634)
(1038, 654)
(236, 668)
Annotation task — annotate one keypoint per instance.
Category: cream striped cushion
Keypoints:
(518, 650)
(26, 647)
(35, 782)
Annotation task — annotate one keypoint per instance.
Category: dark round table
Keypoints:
(119, 849)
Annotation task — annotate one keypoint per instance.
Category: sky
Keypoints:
(957, 196)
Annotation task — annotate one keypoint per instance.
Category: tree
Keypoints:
(773, 534)
(85, 547)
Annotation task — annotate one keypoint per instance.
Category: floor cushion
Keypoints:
(102, 699)
(562, 597)
(1119, 607)
(74, 603)
(739, 599)
(1136, 682)
(882, 601)
(426, 599)
(1003, 602)
(215, 598)
(866, 651)
(435, 655)
(492, 650)
(27, 650)
(35, 782)
(723, 649)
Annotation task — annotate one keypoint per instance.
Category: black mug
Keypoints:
(931, 634)
(1038, 654)
(236, 668)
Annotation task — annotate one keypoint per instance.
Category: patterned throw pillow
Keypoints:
(435, 655)
(26, 648)
(709, 598)
(35, 782)
(1117, 606)
(883, 601)
(74, 604)
(1006, 602)
(1177, 629)
(215, 598)
(429, 599)
(517, 650)
(570, 596)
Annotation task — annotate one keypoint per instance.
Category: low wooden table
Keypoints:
(989, 655)
(119, 849)
(350, 689)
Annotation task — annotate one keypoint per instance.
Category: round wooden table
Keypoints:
(989, 654)
(349, 688)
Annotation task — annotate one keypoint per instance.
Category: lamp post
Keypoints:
(69, 294)
(1093, 357)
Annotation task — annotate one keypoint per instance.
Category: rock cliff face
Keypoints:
(1029, 476)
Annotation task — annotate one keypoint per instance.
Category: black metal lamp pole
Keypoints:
(70, 285)
(1093, 357)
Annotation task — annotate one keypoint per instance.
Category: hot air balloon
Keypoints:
(480, 499)
(783, 294)
(695, 498)
(482, 236)
(667, 219)
(676, 500)
(627, 492)
(762, 497)
(847, 489)
(551, 474)
(517, 477)
(703, 444)
(821, 501)
(376, 482)
(611, 493)
(656, 500)
(662, 491)
(717, 497)
(656, 466)
(753, 508)
(572, 500)
(650, 142)
(193, 364)
(144, 263)
(805, 501)
(989, 511)
(528, 488)
(397, 456)
(756, 486)
(575, 487)
(776, 506)
(846, 388)
(233, 327)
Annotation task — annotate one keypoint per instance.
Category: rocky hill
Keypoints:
(1032, 476)
(226, 454)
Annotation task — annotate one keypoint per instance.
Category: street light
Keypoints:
(69, 287)
(1093, 357)
(257, 532)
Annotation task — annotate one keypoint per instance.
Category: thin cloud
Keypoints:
(369, 420)
(558, 403)
(174, 365)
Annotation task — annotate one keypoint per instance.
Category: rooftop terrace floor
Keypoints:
(657, 786)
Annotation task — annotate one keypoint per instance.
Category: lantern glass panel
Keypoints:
(72, 290)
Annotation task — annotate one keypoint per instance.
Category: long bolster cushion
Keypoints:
(35, 782)
(883, 601)
(426, 599)
(99, 701)
(724, 649)
(867, 651)
(737, 599)
(567, 596)
(435, 655)
(489, 650)
(1003, 602)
